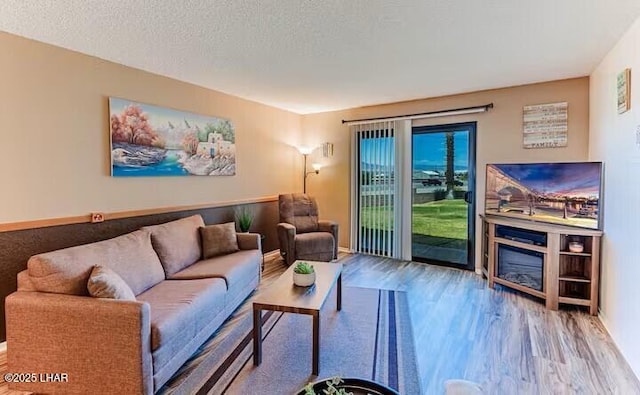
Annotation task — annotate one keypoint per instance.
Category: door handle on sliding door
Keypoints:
(468, 197)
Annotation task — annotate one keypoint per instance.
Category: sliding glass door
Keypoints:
(442, 185)
(412, 191)
(375, 182)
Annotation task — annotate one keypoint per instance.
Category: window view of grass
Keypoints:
(377, 218)
(442, 219)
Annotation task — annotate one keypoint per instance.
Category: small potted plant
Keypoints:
(347, 386)
(244, 217)
(303, 274)
(331, 388)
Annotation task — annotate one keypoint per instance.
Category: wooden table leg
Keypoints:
(257, 336)
(339, 301)
(316, 343)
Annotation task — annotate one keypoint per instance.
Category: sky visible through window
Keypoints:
(377, 154)
(429, 152)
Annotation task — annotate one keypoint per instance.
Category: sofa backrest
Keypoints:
(67, 271)
(177, 243)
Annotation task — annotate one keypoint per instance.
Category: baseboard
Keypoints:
(605, 324)
(275, 254)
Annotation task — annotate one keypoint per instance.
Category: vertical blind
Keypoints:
(373, 186)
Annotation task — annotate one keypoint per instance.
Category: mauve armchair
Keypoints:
(302, 236)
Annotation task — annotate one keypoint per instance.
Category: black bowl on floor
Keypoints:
(355, 385)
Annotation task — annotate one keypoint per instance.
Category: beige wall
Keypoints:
(55, 139)
(499, 136)
(614, 140)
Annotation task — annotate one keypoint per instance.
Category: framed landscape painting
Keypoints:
(147, 140)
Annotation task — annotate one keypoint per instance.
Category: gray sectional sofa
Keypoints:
(111, 346)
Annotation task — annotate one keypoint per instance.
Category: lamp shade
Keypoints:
(305, 150)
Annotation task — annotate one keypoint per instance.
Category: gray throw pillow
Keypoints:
(177, 243)
(219, 240)
(105, 283)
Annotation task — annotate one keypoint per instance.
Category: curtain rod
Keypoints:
(431, 114)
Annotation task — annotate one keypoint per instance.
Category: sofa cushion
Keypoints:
(180, 309)
(314, 242)
(219, 239)
(105, 283)
(177, 242)
(66, 271)
(239, 267)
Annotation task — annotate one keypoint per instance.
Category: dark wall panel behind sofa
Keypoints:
(17, 246)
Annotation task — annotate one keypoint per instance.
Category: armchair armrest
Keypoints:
(331, 227)
(328, 226)
(286, 237)
(103, 345)
(249, 241)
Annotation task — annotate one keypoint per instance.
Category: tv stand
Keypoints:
(568, 277)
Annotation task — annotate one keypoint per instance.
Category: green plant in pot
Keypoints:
(304, 274)
(346, 386)
(244, 217)
(332, 388)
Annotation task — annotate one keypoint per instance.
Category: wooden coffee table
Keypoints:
(284, 296)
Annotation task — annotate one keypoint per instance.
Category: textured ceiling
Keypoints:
(310, 56)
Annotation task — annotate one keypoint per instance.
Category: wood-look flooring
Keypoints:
(505, 341)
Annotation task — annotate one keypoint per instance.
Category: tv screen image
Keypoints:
(560, 193)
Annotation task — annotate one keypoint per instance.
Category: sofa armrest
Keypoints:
(103, 345)
(249, 241)
(331, 227)
(286, 237)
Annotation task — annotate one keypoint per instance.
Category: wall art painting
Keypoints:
(150, 141)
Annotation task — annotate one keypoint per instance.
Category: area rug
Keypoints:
(370, 338)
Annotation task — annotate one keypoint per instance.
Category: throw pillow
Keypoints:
(177, 243)
(219, 239)
(105, 283)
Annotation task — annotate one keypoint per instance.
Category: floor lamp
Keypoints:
(316, 167)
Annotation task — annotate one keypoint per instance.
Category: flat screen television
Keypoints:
(559, 193)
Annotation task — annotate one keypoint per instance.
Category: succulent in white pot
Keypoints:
(303, 274)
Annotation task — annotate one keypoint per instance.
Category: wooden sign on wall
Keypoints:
(624, 91)
(545, 125)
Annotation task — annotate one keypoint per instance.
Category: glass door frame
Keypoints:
(471, 127)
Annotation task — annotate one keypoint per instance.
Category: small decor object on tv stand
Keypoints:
(576, 246)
